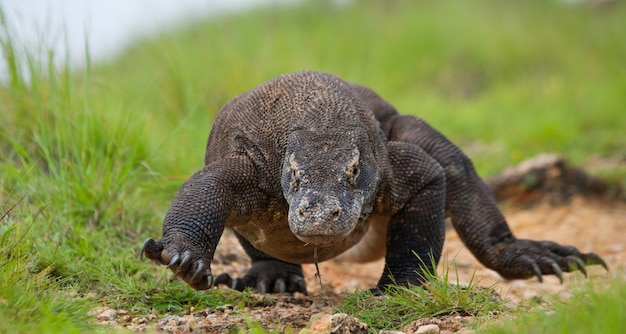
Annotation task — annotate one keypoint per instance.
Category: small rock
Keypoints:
(339, 323)
(616, 248)
(175, 329)
(390, 332)
(107, 315)
(143, 320)
(140, 328)
(94, 312)
(124, 319)
(342, 323)
(201, 326)
(432, 328)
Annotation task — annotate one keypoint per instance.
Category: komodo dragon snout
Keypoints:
(318, 219)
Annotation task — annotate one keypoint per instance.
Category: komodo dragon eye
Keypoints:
(295, 180)
(352, 170)
(295, 177)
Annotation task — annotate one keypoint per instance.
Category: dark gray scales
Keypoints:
(308, 161)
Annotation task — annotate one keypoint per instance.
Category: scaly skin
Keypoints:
(308, 161)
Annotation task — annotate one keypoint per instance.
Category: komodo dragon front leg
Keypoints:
(416, 229)
(196, 220)
(476, 217)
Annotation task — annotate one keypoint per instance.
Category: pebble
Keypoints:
(432, 328)
(344, 324)
(339, 323)
(143, 320)
(107, 315)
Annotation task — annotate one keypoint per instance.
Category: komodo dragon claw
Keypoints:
(593, 258)
(575, 261)
(173, 261)
(198, 272)
(185, 262)
(544, 258)
(267, 277)
(535, 268)
(182, 265)
(149, 246)
(558, 272)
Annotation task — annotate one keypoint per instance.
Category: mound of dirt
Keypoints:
(551, 177)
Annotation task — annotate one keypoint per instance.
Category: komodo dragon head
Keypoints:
(330, 181)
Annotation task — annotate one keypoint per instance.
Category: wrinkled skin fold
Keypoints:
(307, 161)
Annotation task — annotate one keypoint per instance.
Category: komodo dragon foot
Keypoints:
(182, 261)
(270, 276)
(266, 276)
(527, 258)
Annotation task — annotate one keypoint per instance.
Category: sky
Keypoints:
(108, 25)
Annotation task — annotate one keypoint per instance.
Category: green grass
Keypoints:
(98, 152)
(32, 299)
(438, 296)
(590, 310)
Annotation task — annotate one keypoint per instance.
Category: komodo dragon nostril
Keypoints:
(302, 214)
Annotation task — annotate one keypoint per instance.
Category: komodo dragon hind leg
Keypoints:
(477, 218)
(266, 275)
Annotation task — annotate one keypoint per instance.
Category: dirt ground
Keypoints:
(545, 198)
(589, 224)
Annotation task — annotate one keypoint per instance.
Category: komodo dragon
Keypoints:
(307, 166)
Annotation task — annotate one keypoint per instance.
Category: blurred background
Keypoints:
(105, 108)
(106, 27)
(504, 80)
